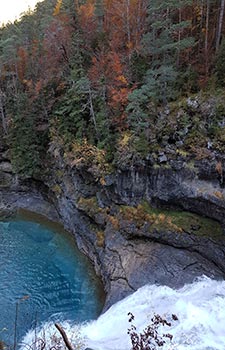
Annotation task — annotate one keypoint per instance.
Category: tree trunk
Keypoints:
(207, 38)
(3, 117)
(179, 38)
(92, 112)
(220, 24)
(128, 28)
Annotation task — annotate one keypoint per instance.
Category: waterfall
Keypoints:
(200, 308)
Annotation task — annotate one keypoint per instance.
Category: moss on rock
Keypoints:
(169, 220)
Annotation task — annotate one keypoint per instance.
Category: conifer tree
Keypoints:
(162, 44)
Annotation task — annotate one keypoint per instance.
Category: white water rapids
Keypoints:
(200, 308)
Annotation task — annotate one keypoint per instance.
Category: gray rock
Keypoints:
(163, 158)
(134, 263)
(209, 145)
(192, 103)
(5, 180)
(221, 124)
(179, 143)
(131, 257)
(6, 167)
(128, 261)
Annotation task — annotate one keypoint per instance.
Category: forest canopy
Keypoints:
(95, 74)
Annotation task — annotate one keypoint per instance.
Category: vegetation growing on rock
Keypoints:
(112, 88)
(145, 220)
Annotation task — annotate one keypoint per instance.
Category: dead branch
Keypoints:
(64, 336)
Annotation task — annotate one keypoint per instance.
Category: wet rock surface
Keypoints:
(134, 263)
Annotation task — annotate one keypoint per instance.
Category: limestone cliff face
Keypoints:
(16, 193)
(128, 244)
(128, 252)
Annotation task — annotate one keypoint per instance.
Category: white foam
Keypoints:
(200, 308)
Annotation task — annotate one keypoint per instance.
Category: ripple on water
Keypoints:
(42, 270)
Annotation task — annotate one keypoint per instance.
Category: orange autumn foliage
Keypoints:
(22, 63)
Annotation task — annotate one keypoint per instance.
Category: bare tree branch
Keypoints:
(64, 336)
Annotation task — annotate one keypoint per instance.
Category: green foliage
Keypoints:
(158, 88)
(160, 82)
(92, 81)
(137, 108)
(141, 144)
(69, 118)
(139, 66)
(74, 118)
(27, 141)
(187, 81)
(68, 115)
(163, 50)
(160, 40)
(27, 148)
(220, 64)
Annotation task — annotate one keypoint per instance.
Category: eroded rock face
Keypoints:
(128, 253)
(127, 259)
(130, 264)
(199, 190)
(29, 195)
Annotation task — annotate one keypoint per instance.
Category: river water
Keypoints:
(200, 308)
(42, 273)
(43, 277)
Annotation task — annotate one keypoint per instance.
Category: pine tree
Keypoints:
(220, 64)
(163, 42)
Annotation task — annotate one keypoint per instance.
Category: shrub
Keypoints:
(149, 339)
